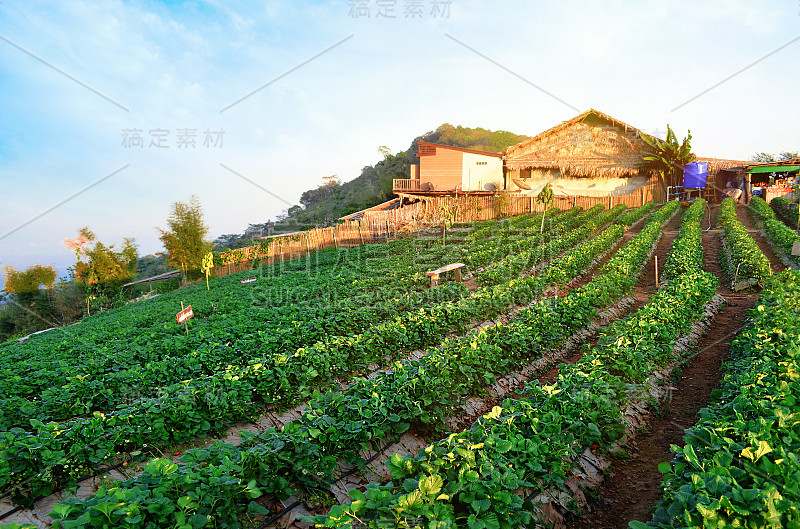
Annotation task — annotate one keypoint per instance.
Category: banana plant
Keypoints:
(546, 198)
(667, 157)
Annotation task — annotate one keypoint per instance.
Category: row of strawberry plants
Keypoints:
(739, 466)
(62, 391)
(779, 234)
(370, 409)
(631, 217)
(79, 390)
(208, 404)
(687, 249)
(513, 237)
(786, 210)
(760, 210)
(86, 394)
(518, 263)
(131, 336)
(745, 260)
(473, 479)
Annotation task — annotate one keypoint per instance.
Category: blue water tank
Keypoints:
(695, 174)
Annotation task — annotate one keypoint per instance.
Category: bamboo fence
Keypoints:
(377, 226)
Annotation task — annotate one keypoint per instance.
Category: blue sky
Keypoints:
(176, 67)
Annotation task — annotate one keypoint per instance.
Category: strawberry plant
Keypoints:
(687, 249)
(742, 258)
(739, 465)
(786, 210)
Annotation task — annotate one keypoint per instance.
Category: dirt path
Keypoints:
(632, 487)
(647, 284)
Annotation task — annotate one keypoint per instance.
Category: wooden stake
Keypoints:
(656, 271)
(361, 235)
(185, 323)
(333, 232)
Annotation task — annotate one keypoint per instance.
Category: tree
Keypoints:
(31, 280)
(33, 302)
(667, 157)
(762, 157)
(765, 157)
(185, 238)
(101, 268)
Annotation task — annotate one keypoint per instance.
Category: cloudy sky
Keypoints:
(110, 111)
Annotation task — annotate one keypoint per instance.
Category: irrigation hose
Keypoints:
(90, 476)
(291, 507)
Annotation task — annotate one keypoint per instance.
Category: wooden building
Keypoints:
(444, 169)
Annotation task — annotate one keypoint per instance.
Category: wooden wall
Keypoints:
(443, 170)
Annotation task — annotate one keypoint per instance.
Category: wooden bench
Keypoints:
(435, 274)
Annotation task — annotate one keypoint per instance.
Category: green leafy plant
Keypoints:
(667, 157)
(545, 198)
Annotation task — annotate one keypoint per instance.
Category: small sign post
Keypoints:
(184, 315)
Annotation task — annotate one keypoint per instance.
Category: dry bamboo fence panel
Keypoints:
(380, 225)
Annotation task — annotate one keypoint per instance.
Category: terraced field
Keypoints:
(340, 390)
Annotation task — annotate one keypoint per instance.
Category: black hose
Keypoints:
(297, 503)
(90, 476)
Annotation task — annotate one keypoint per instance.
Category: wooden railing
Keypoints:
(405, 184)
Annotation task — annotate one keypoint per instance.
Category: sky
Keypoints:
(111, 111)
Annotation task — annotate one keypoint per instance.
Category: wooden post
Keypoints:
(656, 271)
(747, 188)
(387, 228)
(185, 323)
(308, 246)
(333, 232)
(361, 235)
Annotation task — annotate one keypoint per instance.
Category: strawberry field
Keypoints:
(358, 363)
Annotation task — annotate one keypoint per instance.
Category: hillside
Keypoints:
(333, 199)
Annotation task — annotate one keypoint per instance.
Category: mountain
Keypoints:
(333, 199)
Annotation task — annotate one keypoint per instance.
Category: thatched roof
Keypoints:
(716, 165)
(591, 144)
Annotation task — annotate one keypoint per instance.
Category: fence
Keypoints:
(427, 211)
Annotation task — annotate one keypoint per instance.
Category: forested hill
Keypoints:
(333, 199)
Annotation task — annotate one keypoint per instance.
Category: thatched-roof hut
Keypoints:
(592, 154)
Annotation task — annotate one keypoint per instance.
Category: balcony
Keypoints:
(405, 184)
